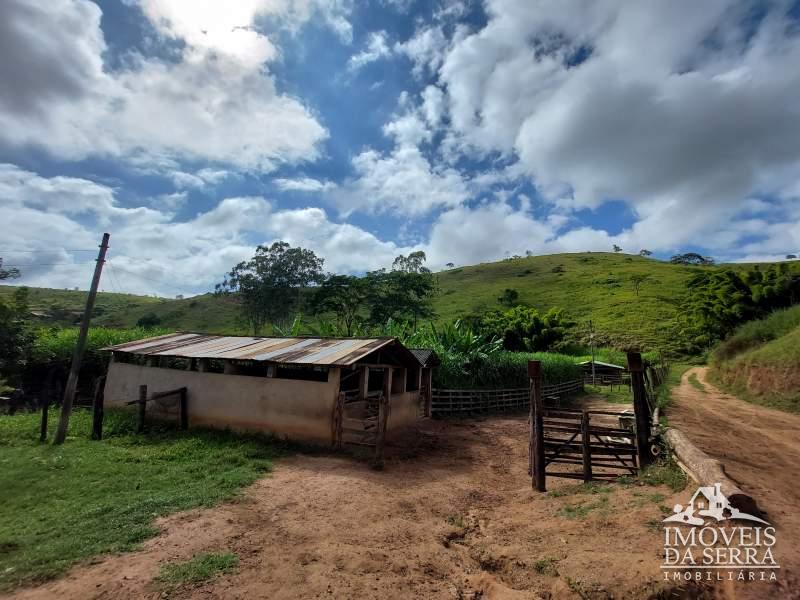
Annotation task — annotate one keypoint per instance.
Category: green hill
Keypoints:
(761, 361)
(587, 286)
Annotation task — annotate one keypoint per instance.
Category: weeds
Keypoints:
(582, 510)
(546, 566)
(696, 383)
(665, 472)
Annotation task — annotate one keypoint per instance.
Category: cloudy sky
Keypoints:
(192, 130)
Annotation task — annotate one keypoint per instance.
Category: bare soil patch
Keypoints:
(452, 516)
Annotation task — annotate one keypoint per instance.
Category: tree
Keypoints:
(691, 258)
(151, 319)
(269, 284)
(637, 279)
(523, 329)
(8, 273)
(791, 256)
(413, 263)
(345, 296)
(16, 338)
(645, 252)
(450, 265)
(509, 297)
(617, 248)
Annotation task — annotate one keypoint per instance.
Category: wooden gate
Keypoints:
(590, 439)
(617, 442)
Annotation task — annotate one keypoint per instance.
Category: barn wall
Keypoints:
(403, 411)
(301, 410)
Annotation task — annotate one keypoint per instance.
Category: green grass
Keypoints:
(696, 383)
(582, 509)
(619, 395)
(200, 568)
(546, 566)
(64, 504)
(664, 391)
(760, 362)
(664, 472)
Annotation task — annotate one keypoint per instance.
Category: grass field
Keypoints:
(594, 285)
(760, 362)
(65, 504)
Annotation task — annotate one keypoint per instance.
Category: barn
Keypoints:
(604, 373)
(317, 389)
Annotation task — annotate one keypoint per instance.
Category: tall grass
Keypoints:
(58, 344)
(756, 333)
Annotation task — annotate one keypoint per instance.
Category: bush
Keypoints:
(149, 320)
(756, 333)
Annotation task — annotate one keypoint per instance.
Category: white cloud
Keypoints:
(304, 184)
(401, 181)
(151, 251)
(426, 49)
(217, 103)
(376, 49)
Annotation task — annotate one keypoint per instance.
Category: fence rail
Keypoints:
(448, 401)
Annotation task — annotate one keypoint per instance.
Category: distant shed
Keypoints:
(299, 387)
(605, 373)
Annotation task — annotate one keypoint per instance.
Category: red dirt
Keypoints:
(453, 517)
(760, 448)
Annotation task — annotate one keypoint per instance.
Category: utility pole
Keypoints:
(591, 342)
(77, 356)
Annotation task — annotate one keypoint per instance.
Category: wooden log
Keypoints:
(97, 408)
(142, 406)
(708, 471)
(586, 448)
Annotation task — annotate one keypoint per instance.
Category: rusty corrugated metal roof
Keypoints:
(291, 350)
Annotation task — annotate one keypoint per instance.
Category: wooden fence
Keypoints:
(448, 402)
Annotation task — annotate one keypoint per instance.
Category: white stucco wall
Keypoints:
(301, 410)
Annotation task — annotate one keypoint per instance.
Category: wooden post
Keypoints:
(45, 402)
(184, 409)
(640, 409)
(363, 384)
(384, 403)
(536, 457)
(77, 356)
(429, 390)
(202, 365)
(142, 405)
(587, 451)
(97, 408)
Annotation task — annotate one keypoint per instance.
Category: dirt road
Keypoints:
(760, 448)
(451, 516)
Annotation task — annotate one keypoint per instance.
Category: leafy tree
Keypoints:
(523, 329)
(413, 263)
(645, 252)
(450, 265)
(8, 273)
(345, 296)
(509, 297)
(617, 248)
(269, 284)
(691, 258)
(16, 338)
(791, 256)
(637, 279)
(151, 319)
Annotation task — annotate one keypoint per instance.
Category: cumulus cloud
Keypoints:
(217, 103)
(376, 49)
(151, 251)
(303, 184)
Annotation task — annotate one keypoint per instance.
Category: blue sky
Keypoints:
(193, 131)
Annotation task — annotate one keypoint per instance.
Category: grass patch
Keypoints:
(546, 566)
(198, 569)
(619, 395)
(665, 472)
(664, 391)
(582, 509)
(64, 504)
(696, 383)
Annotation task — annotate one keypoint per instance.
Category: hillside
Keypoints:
(761, 361)
(587, 286)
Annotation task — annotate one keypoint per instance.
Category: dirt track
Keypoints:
(760, 448)
(452, 517)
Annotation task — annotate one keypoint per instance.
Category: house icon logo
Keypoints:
(709, 501)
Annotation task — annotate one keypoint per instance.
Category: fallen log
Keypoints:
(708, 471)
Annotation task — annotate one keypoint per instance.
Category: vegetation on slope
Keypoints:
(760, 362)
